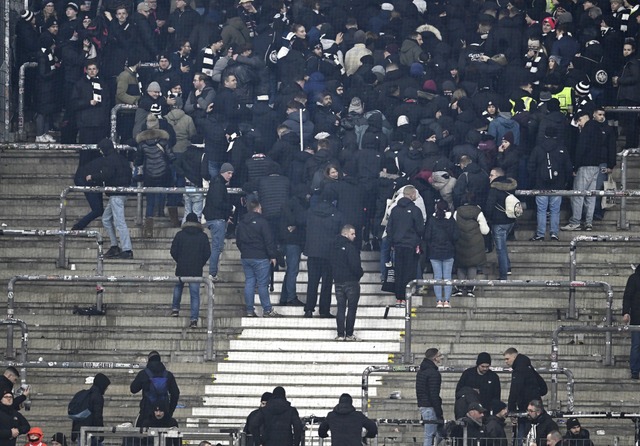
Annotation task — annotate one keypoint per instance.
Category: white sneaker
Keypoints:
(49, 138)
(42, 138)
(571, 227)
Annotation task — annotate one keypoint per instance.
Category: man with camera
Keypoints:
(8, 380)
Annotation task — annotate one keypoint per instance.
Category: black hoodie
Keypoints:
(346, 423)
(524, 384)
(279, 423)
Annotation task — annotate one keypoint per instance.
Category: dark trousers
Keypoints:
(347, 296)
(406, 264)
(319, 268)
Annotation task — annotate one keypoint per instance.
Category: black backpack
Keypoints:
(551, 166)
(78, 409)
(158, 387)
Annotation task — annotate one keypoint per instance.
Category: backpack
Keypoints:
(551, 166)
(158, 388)
(542, 385)
(78, 408)
(512, 206)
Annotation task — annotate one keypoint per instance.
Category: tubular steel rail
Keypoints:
(623, 223)
(123, 191)
(21, 77)
(414, 284)
(573, 263)
(24, 341)
(114, 118)
(414, 369)
(209, 354)
(160, 435)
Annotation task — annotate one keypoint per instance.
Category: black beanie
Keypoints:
(483, 358)
(192, 217)
(497, 406)
(153, 356)
(266, 396)
(60, 438)
(572, 422)
(279, 392)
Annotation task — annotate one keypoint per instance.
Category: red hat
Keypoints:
(550, 21)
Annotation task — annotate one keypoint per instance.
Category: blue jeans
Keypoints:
(217, 229)
(347, 295)
(292, 255)
(442, 270)
(194, 292)
(430, 430)
(256, 272)
(154, 201)
(585, 179)
(214, 169)
(193, 203)
(500, 233)
(634, 356)
(113, 218)
(552, 203)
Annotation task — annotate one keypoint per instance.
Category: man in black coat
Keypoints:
(482, 378)
(428, 383)
(474, 421)
(160, 418)
(473, 179)
(190, 249)
(293, 225)
(346, 424)
(323, 224)
(347, 272)
(539, 424)
(8, 380)
(257, 254)
(155, 376)
(217, 211)
(95, 406)
(631, 315)
(251, 419)
(278, 423)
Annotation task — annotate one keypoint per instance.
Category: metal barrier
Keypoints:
(622, 221)
(114, 118)
(414, 369)
(573, 263)
(209, 354)
(160, 435)
(414, 284)
(122, 190)
(57, 146)
(21, 76)
(23, 342)
(44, 233)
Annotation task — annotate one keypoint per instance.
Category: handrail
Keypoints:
(161, 434)
(114, 118)
(414, 284)
(209, 353)
(10, 321)
(622, 222)
(57, 146)
(414, 368)
(573, 263)
(21, 77)
(46, 232)
(123, 190)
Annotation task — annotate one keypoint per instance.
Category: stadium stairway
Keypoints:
(254, 355)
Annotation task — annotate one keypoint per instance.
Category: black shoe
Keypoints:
(113, 252)
(308, 314)
(126, 255)
(295, 303)
(635, 376)
(554, 238)
(193, 324)
(327, 316)
(537, 238)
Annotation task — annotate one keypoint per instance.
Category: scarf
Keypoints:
(208, 62)
(51, 58)
(96, 87)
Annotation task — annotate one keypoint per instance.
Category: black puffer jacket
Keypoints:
(428, 382)
(524, 384)
(346, 424)
(153, 155)
(191, 250)
(254, 237)
(273, 191)
(501, 187)
(345, 261)
(441, 235)
(10, 419)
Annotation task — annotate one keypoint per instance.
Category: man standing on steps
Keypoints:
(190, 249)
(346, 423)
(631, 315)
(157, 385)
(347, 272)
(278, 423)
(217, 211)
(428, 383)
(482, 378)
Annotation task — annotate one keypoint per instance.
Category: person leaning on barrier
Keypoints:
(346, 424)
(539, 424)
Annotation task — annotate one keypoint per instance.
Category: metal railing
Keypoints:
(414, 284)
(46, 232)
(414, 369)
(21, 77)
(161, 436)
(122, 190)
(573, 262)
(623, 223)
(24, 341)
(114, 118)
(209, 354)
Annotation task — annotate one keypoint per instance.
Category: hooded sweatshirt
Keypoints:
(346, 424)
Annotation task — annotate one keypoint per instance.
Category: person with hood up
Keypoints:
(34, 437)
(428, 383)
(502, 124)
(191, 250)
(278, 423)
(95, 405)
(411, 49)
(58, 439)
(12, 423)
(346, 424)
(501, 225)
(157, 384)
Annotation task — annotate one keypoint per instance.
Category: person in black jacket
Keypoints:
(576, 435)
(482, 378)
(347, 272)
(501, 225)
(113, 170)
(217, 211)
(631, 315)
(278, 423)
(95, 406)
(346, 424)
(494, 424)
(292, 236)
(190, 249)
(539, 424)
(428, 383)
(257, 252)
(323, 224)
(190, 166)
(441, 234)
(160, 418)
(155, 375)
(8, 380)
(12, 423)
(474, 422)
(254, 439)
